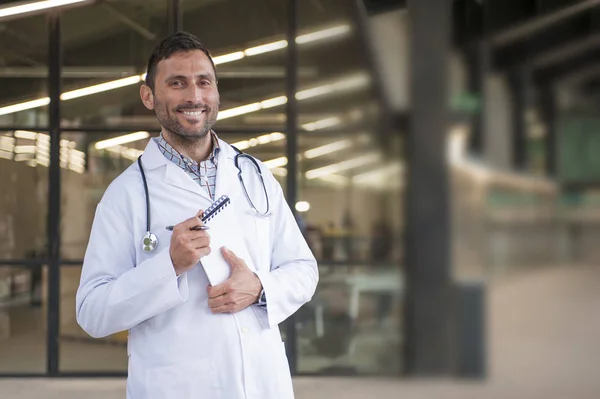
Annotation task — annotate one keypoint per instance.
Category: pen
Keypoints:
(204, 227)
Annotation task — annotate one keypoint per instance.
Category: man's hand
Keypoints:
(236, 293)
(188, 246)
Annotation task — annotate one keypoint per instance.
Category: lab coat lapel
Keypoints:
(227, 180)
(154, 160)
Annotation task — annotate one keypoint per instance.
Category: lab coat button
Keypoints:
(244, 330)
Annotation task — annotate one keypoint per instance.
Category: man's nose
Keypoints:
(194, 95)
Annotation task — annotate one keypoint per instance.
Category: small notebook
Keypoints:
(224, 231)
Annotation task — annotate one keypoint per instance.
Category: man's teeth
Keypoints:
(192, 113)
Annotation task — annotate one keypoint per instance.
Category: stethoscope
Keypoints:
(150, 241)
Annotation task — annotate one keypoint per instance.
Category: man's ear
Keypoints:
(147, 97)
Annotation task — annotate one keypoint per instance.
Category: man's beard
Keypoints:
(171, 123)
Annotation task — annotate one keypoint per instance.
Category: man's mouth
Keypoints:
(192, 112)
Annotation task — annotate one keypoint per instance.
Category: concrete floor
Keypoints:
(544, 342)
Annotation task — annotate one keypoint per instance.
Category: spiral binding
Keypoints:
(215, 208)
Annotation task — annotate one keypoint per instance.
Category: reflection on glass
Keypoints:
(79, 351)
(349, 207)
(250, 62)
(23, 198)
(106, 48)
(24, 72)
(23, 319)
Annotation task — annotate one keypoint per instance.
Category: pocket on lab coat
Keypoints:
(189, 380)
(286, 390)
(263, 241)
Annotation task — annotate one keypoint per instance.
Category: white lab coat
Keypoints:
(177, 348)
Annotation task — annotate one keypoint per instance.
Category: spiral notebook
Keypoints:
(224, 231)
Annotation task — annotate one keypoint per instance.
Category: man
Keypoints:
(188, 339)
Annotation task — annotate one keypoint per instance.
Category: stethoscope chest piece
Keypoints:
(149, 242)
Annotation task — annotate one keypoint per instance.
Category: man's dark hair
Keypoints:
(175, 43)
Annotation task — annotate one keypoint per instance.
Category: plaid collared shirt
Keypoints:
(204, 172)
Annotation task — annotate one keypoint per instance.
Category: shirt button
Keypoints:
(244, 330)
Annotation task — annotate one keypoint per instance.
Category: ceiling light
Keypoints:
(322, 124)
(302, 206)
(235, 56)
(222, 59)
(24, 149)
(24, 106)
(128, 138)
(265, 48)
(327, 149)
(276, 163)
(6, 154)
(36, 6)
(115, 84)
(24, 134)
(342, 166)
(323, 34)
(244, 109)
(264, 139)
(274, 102)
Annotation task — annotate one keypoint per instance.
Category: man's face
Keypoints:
(185, 98)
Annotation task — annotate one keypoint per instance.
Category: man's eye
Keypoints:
(205, 83)
(176, 84)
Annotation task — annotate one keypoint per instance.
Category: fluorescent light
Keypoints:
(23, 157)
(327, 149)
(323, 34)
(244, 109)
(279, 171)
(24, 149)
(302, 206)
(265, 48)
(222, 59)
(9, 109)
(7, 143)
(39, 5)
(336, 179)
(235, 56)
(276, 163)
(314, 92)
(342, 166)
(6, 154)
(264, 139)
(322, 124)
(128, 138)
(24, 134)
(273, 102)
(115, 84)
(385, 174)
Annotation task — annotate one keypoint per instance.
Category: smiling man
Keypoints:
(188, 339)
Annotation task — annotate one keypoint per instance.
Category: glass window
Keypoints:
(24, 72)
(250, 61)
(76, 347)
(90, 163)
(23, 309)
(349, 204)
(24, 159)
(108, 44)
(350, 207)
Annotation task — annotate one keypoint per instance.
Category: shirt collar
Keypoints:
(181, 160)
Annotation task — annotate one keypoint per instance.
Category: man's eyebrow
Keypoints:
(182, 77)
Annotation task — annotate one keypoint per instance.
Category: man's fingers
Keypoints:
(219, 301)
(218, 290)
(227, 308)
(231, 258)
(192, 222)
